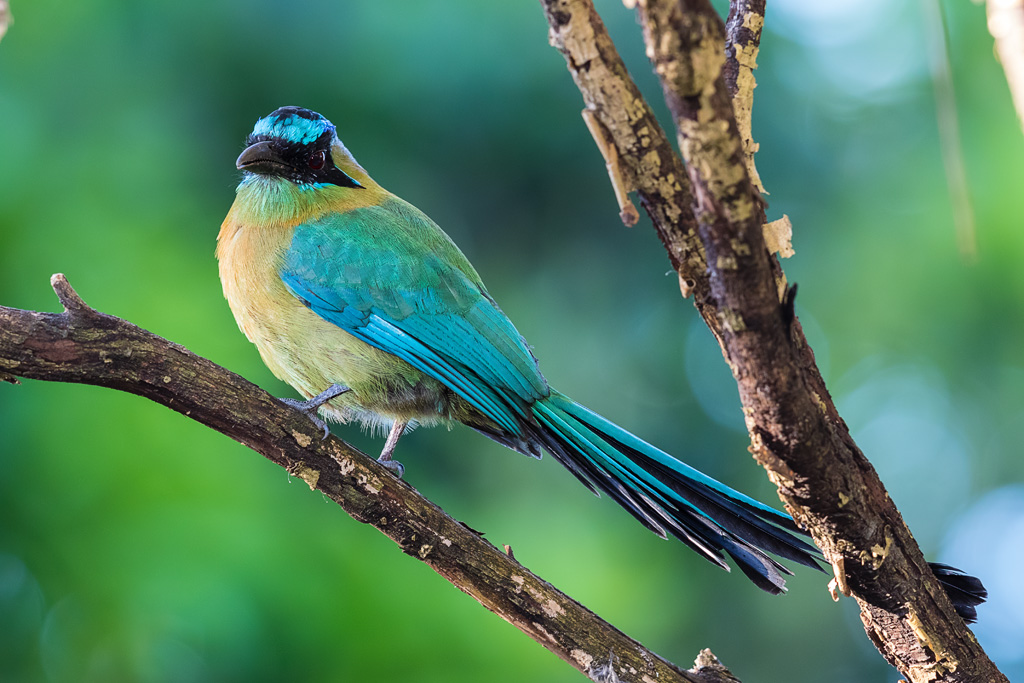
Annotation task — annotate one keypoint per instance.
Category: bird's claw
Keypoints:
(395, 466)
(310, 407)
(310, 412)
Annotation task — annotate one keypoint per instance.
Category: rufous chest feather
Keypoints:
(250, 257)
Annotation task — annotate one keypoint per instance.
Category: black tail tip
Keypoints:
(966, 592)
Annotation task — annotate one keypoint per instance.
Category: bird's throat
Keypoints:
(263, 201)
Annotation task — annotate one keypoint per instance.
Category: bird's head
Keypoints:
(299, 146)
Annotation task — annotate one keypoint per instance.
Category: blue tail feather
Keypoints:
(667, 496)
(964, 591)
(670, 497)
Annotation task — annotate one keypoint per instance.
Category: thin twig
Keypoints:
(627, 211)
(949, 130)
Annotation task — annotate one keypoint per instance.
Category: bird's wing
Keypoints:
(389, 276)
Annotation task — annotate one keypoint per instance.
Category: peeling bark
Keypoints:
(796, 433)
(743, 41)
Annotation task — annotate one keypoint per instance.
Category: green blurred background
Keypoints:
(136, 545)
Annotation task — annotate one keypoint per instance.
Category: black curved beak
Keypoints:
(260, 157)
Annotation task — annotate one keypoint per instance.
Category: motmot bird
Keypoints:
(373, 314)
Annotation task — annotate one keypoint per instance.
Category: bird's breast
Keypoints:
(308, 352)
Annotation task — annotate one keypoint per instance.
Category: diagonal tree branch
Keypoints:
(84, 346)
(1006, 24)
(796, 433)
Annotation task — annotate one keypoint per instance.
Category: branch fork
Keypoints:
(739, 288)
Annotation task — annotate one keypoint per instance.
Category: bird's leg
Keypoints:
(389, 447)
(310, 407)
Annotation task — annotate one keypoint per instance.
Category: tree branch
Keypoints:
(796, 433)
(5, 17)
(84, 346)
(743, 31)
(645, 159)
(1006, 24)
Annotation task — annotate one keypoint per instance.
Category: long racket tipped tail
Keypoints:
(670, 497)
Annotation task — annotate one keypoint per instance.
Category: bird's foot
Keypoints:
(309, 408)
(389, 447)
(393, 465)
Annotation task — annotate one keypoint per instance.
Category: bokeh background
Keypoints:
(136, 545)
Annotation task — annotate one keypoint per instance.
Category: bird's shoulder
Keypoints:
(389, 274)
(383, 252)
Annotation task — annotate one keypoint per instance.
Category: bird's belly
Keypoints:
(312, 354)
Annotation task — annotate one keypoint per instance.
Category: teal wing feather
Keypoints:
(389, 276)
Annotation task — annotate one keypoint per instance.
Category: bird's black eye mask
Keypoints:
(301, 163)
